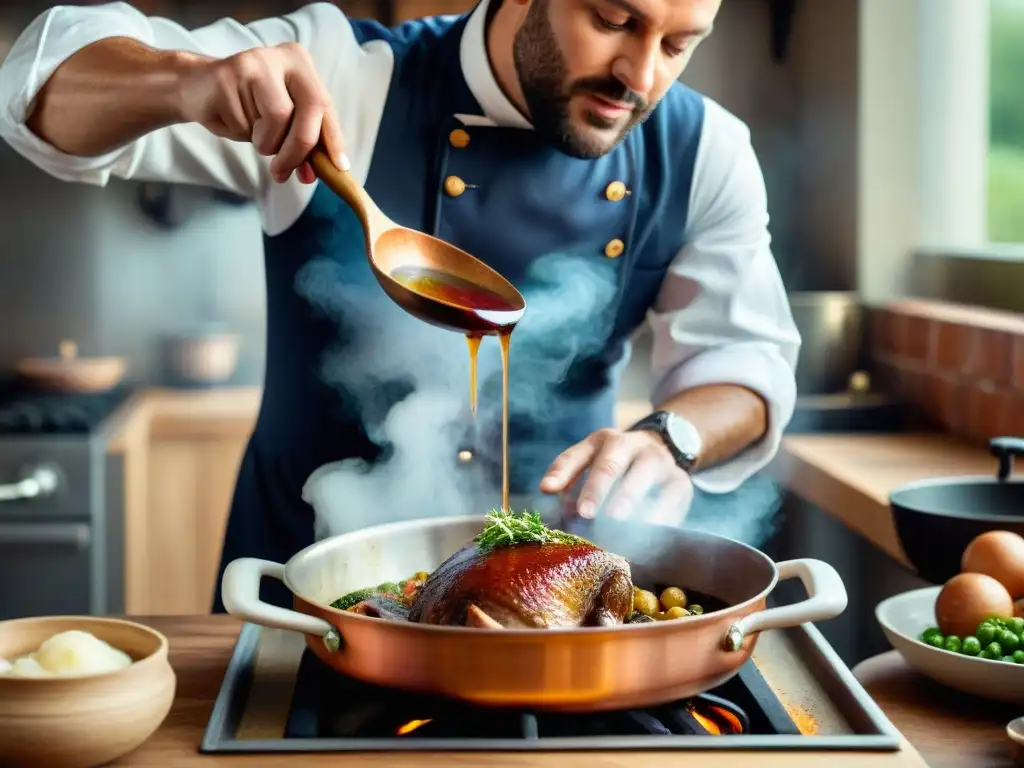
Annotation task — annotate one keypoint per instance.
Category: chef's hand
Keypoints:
(630, 473)
(271, 97)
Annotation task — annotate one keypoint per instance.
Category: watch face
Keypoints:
(684, 435)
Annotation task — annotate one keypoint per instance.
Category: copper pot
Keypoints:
(577, 670)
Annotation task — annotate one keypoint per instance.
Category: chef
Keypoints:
(521, 129)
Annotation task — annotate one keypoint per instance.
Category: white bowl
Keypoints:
(904, 617)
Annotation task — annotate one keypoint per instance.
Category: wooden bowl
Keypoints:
(70, 373)
(85, 720)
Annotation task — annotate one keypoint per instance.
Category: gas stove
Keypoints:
(25, 411)
(61, 503)
(793, 694)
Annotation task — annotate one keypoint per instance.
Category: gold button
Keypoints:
(454, 186)
(459, 138)
(614, 249)
(615, 191)
(465, 456)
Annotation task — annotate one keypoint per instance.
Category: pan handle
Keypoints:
(826, 599)
(240, 591)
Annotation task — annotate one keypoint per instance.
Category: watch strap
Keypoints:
(657, 422)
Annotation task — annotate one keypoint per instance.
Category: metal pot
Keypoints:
(578, 670)
(831, 325)
(936, 519)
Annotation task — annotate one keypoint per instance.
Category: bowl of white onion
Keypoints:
(80, 691)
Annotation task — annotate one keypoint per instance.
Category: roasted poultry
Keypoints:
(520, 574)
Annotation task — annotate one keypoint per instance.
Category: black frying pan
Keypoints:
(936, 519)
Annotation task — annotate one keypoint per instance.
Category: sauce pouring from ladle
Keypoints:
(433, 280)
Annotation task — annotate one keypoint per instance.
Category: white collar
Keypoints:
(476, 69)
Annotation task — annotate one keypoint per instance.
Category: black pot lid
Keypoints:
(999, 498)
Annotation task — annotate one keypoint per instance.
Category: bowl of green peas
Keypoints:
(988, 663)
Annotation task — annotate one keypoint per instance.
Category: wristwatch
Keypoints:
(679, 435)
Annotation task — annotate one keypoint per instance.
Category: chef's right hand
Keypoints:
(272, 97)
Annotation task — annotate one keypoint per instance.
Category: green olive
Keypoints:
(953, 644)
(675, 612)
(645, 602)
(673, 597)
(971, 646)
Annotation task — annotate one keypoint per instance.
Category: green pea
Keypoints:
(930, 632)
(1008, 640)
(936, 641)
(986, 632)
(999, 621)
(1007, 659)
(971, 646)
(952, 643)
(995, 651)
(1018, 657)
(1016, 625)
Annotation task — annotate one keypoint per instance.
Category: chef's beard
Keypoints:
(542, 71)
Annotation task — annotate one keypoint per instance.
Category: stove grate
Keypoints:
(327, 705)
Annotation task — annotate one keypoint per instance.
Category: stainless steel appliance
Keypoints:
(831, 325)
(61, 504)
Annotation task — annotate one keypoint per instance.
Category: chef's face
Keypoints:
(590, 70)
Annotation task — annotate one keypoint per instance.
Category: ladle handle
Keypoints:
(345, 186)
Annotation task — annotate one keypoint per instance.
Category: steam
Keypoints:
(411, 383)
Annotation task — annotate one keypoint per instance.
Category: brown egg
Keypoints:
(968, 599)
(999, 554)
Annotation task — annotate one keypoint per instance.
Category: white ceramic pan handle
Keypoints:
(240, 591)
(826, 599)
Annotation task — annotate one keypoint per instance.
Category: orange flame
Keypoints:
(411, 726)
(709, 725)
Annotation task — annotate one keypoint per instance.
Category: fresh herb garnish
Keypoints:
(504, 529)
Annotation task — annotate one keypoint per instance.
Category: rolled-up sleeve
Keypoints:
(722, 315)
(180, 153)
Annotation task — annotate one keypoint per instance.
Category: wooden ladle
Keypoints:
(427, 277)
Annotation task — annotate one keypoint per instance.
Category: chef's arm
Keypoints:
(725, 344)
(728, 417)
(89, 93)
(107, 95)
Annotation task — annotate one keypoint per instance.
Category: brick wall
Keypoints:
(961, 366)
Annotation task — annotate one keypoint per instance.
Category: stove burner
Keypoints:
(31, 412)
(327, 705)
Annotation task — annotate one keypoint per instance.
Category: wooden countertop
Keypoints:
(184, 413)
(850, 476)
(200, 649)
(948, 728)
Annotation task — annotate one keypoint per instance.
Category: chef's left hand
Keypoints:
(630, 473)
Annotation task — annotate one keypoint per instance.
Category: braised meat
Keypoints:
(565, 582)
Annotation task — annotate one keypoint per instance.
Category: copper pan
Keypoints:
(574, 670)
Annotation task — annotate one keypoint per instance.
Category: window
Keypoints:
(1005, 188)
